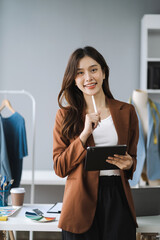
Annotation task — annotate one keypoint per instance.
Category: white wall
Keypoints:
(37, 38)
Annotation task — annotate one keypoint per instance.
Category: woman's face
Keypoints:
(89, 78)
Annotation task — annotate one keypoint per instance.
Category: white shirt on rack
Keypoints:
(105, 135)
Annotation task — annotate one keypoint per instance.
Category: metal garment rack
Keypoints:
(23, 92)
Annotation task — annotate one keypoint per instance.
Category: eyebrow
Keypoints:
(94, 65)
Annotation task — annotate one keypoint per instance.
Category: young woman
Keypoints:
(97, 205)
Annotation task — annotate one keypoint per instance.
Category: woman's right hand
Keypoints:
(91, 122)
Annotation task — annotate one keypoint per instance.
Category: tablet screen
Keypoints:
(96, 157)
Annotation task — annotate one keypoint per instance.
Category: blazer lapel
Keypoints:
(120, 119)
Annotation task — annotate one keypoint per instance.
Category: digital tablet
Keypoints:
(96, 157)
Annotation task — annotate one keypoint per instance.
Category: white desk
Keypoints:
(18, 221)
(148, 224)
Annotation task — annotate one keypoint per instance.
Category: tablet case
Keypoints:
(96, 157)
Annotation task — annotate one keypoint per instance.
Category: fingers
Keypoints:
(124, 162)
(94, 119)
(91, 122)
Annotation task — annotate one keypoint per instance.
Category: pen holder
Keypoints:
(4, 197)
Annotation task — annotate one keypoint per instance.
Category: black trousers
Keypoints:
(113, 220)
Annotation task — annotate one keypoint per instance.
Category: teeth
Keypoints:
(88, 85)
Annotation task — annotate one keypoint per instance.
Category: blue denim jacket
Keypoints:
(151, 150)
(4, 161)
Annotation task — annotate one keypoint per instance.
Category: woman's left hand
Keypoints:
(124, 162)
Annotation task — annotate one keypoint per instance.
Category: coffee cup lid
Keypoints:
(17, 190)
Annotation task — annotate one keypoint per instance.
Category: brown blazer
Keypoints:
(81, 189)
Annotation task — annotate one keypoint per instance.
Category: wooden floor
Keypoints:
(36, 235)
(39, 236)
(57, 236)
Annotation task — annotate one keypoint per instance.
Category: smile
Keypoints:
(91, 85)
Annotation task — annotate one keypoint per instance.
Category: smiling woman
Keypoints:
(97, 205)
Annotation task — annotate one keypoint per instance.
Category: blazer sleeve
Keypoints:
(65, 157)
(132, 141)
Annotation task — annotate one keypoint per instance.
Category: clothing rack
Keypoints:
(23, 92)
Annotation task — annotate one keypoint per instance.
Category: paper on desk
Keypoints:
(56, 208)
(8, 210)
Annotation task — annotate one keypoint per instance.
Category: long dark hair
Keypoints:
(71, 94)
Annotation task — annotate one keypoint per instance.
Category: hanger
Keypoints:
(6, 103)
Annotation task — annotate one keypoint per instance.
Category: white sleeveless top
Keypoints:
(104, 135)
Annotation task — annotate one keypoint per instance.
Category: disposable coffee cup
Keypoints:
(17, 196)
